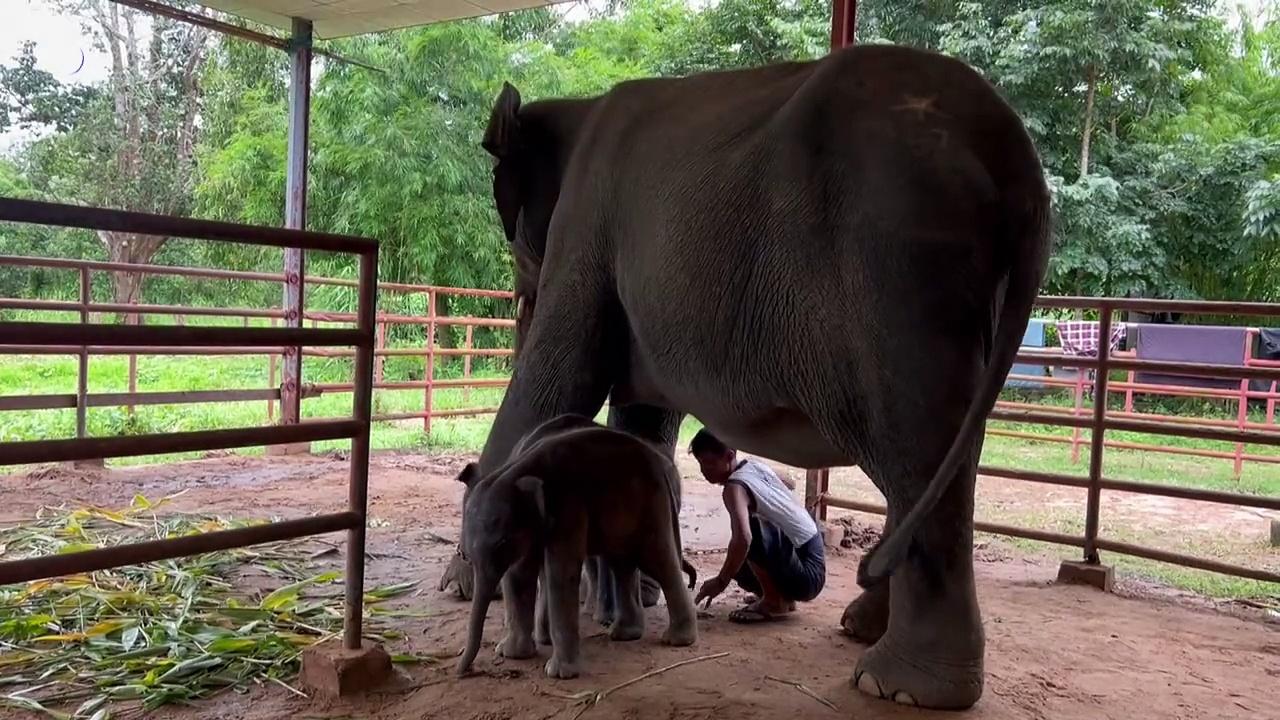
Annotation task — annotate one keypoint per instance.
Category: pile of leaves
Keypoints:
(121, 642)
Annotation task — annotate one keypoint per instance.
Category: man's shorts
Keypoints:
(799, 573)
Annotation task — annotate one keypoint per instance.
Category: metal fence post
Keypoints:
(1097, 439)
(358, 487)
(295, 211)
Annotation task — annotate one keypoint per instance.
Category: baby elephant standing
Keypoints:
(579, 492)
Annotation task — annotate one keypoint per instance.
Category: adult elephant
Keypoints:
(828, 263)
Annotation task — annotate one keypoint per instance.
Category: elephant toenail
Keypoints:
(869, 685)
(902, 697)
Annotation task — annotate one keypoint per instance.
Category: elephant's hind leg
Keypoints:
(930, 650)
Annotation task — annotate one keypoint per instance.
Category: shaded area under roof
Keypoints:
(340, 18)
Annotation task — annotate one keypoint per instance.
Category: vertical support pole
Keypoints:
(82, 370)
(295, 210)
(429, 374)
(358, 487)
(844, 19)
(844, 23)
(466, 365)
(1097, 438)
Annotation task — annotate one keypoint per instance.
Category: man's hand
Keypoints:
(710, 589)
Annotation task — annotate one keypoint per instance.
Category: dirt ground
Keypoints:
(1052, 652)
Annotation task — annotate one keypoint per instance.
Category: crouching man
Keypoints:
(775, 551)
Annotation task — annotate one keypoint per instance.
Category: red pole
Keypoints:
(844, 23)
(844, 19)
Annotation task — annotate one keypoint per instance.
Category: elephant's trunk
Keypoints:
(482, 595)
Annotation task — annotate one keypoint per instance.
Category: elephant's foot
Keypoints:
(625, 632)
(562, 669)
(517, 647)
(919, 678)
(867, 617)
(542, 634)
(681, 634)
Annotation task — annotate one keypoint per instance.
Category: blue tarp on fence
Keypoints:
(1034, 337)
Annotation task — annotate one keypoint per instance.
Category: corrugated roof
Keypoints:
(340, 18)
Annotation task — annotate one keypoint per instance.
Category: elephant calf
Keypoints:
(574, 493)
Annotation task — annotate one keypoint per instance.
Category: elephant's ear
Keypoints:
(531, 487)
(503, 133)
(470, 474)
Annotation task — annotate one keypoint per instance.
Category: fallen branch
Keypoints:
(590, 698)
(803, 690)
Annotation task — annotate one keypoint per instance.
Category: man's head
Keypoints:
(715, 459)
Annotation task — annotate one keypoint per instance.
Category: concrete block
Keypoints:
(331, 670)
(1073, 572)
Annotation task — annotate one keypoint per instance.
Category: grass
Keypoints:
(119, 643)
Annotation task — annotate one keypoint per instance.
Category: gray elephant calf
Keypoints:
(578, 492)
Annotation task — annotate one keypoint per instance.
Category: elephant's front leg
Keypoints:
(568, 361)
(563, 574)
(519, 596)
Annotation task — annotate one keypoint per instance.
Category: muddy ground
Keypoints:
(1053, 651)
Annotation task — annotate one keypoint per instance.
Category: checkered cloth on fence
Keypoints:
(1080, 337)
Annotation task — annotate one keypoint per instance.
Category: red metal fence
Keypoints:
(82, 399)
(42, 336)
(1083, 385)
(1100, 420)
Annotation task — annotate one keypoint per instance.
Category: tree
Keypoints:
(131, 144)
(31, 98)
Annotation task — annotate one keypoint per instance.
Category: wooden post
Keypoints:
(271, 381)
(132, 319)
(1242, 408)
(466, 367)
(380, 342)
(1078, 392)
(429, 372)
(82, 374)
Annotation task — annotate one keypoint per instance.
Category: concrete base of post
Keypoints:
(1275, 533)
(333, 671)
(293, 449)
(1074, 572)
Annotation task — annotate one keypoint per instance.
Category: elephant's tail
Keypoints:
(1025, 236)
